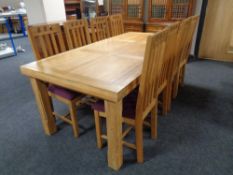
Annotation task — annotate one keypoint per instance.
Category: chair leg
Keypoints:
(98, 128)
(139, 141)
(175, 85)
(181, 83)
(165, 101)
(169, 97)
(73, 115)
(52, 107)
(154, 122)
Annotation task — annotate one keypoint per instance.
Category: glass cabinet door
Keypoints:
(103, 7)
(134, 9)
(89, 8)
(116, 6)
(180, 9)
(170, 10)
(159, 9)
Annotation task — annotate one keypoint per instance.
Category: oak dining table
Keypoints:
(108, 69)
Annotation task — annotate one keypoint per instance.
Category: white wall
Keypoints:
(45, 11)
(54, 10)
(35, 11)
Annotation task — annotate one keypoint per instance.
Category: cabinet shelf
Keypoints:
(71, 6)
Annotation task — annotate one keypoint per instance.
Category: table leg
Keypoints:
(114, 134)
(44, 105)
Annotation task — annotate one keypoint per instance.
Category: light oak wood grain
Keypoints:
(109, 74)
(114, 130)
(116, 24)
(47, 40)
(182, 38)
(77, 33)
(168, 68)
(147, 97)
(187, 48)
(80, 66)
(44, 105)
(100, 28)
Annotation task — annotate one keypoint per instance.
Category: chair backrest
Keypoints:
(116, 24)
(192, 26)
(170, 55)
(181, 42)
(77, 33)
(99, 28)
(46, 40)
(153, 61)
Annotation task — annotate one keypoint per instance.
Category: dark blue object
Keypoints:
(22, 25)
(10, 36)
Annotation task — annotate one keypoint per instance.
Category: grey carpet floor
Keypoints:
(195, 138)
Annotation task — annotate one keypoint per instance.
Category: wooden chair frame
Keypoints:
(185, 56)
(165, 82)
(116, 24)
(181, 42)
(47, 40)
(77, 33)
(185, 36)
(147, 99)
(99, 28)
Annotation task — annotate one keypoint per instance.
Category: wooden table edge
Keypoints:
(80, 87)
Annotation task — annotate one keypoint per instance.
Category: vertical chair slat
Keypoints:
(75, 41)
(46, 40)
(99, 28)
(55, 47)
(43, 46)
(77, 33)
(116, 23)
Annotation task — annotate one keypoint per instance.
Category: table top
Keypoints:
(108, 69)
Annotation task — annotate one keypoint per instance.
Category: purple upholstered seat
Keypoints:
(65, 93)
(129, 105)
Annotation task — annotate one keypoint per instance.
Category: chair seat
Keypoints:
(62, 92)
(129, 105)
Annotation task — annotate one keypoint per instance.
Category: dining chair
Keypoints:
(165, 81)
(182, 38)
(116, 24)
(47, 40)
(142, 102)
(99, 28)
(185, 55)
(77, 33)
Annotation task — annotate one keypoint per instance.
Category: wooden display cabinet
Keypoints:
(73, 9)
(160, 12)
(134, 15)
(163, 12)
(103, 7)
(132, 11)
(89, 9)
(116, 6)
